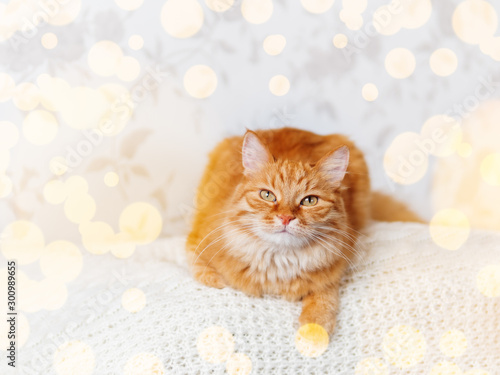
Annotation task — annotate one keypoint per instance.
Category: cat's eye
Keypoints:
(267, 196)
(311, 200)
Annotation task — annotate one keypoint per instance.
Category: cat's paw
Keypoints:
(327, 321)
(210, 278)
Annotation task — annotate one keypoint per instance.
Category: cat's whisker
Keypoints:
(224, 226)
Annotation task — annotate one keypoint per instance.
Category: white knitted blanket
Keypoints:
(409, 307)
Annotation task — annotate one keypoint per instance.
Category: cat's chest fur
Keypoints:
(270, 263)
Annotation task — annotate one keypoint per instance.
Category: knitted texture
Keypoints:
(408, 304)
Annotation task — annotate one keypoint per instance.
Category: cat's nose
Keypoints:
(285, 219)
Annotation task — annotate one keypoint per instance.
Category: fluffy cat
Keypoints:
(279, 212)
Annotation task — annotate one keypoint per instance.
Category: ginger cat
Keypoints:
(279, 212)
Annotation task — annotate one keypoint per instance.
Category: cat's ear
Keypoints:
(334, 164)
(254, 153)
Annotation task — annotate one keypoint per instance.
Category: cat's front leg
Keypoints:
(208, 276)
(321, 308)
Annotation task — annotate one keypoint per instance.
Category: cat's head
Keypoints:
(290, 203)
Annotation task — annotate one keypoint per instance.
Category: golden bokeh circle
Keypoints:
(400, 63)
(474, 21)
(55, 192)
(84, 109)
(97, 237)
(9, 135)
(215, 344)
(340, 41)
(53, 92)
(443, 62)
(144, 364)
(136, 42)
(441, 135)
(274, 44)
(200, 81)
(76, 185)
(369, 92)
(129, 4)
(488, 280)
(142, 222)
(464, 149)
(111, 179)
(49, 40)
(61, 260)
(404, 346)
(449, 228)
(66, 13)
(317, 6)
(104, 57)
(40, 127)
(311, 340)
(353, 20)
(219, 5)
(257, 11)
(22, 240)
(445, 368)
(133, 300)
(79, 208)
(7, 87)
(371, 366)
(26, 96)
(74, 358)
(404, 161)
(182, 18)
(490, 169)
(453, 343)
(279, 85)
(239, 364)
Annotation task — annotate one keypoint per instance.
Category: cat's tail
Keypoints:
(386, 208)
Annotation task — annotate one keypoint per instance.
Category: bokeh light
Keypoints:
(144, 364)
(22, 240)
(49, 40)
(340, 41)
(449, 228)
(74, 357)
(453, 343)
(400, 63)
(474, 21)
(133, 300)
(446, 368)
(279, 85)
(371, 366)
(200, 81)
(61, 260)
(488, 280)
(317, 6)
(490, 169)
(257, 11)
(239, 364)
(215, 344)
(182, 18)
(311, 340)
(40, 127)
(404, 346)
(443, 62)
(274, 44)
(369, 92)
